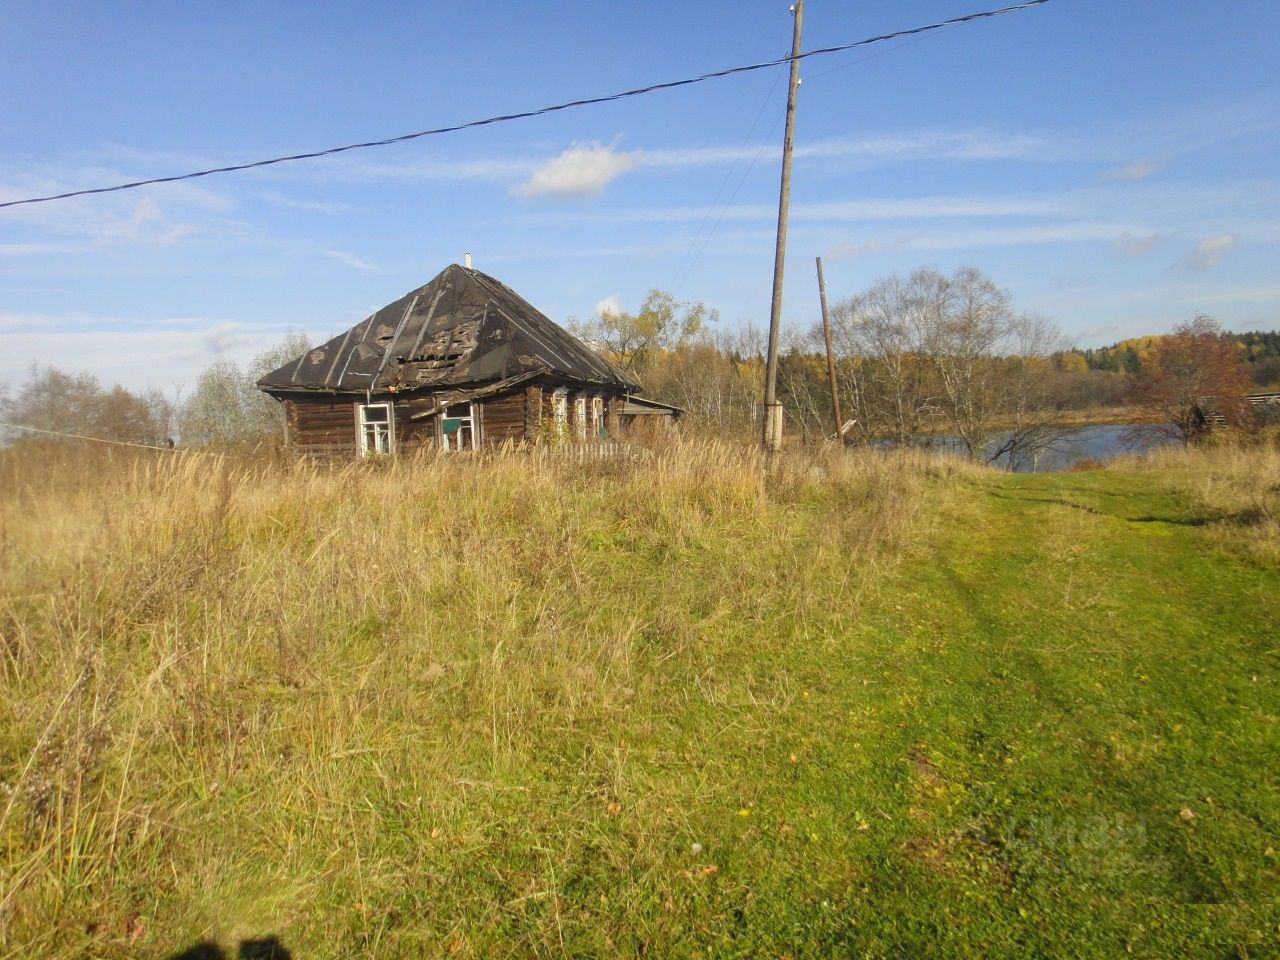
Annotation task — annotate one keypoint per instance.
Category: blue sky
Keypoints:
(1114, 164)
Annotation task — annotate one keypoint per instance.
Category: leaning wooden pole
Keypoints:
(831, 356)
(772, 438)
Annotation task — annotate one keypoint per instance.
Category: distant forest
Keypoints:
(1259, 350)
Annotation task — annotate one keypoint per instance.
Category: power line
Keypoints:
(759, 153)
(679, 280)
(524, 115)
(873, 56)
(77, 436)
(734, 196)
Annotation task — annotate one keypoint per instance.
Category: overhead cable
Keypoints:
(524, 115)
(77, 436)
(756, 158)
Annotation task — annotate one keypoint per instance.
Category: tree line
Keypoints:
(918, 358)
(1259, 350)
(224, 406)
(925, 357)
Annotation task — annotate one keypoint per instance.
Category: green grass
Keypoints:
(1079, 661)
(895, 709)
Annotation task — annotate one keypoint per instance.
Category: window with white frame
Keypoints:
(596, 429)
(560, 414)
(580, 417)
(459, 427)
(375, 428)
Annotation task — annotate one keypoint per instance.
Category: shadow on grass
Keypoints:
(1240, 518)
(268, 948)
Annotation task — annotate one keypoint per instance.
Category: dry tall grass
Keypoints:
(241, 697)
(1239, 483)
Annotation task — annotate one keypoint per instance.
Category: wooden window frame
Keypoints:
(474, 419)
(595, 419)
(560, 414)
(580, 417)
(362, 423)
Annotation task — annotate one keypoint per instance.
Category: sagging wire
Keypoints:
(526, 114)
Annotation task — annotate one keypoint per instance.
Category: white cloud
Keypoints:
(906, 208)
(27, 249)
(913, 208)
(223, 337)
(316, 206)
(899, 145)
(173, 234)
(146, 224)
(1210, 251)
(586, 168)
(986, 237)
(1096, 333)
(609, 304)
(848, 250)
(78, 323)
(349, 260)
(136, 353)
(581, 171)
(1138, 170)
(937, 145)
(103, 221)
(1259, 293)
(1129, 245)
(1012, 236)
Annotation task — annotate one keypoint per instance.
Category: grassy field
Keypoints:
(895, 707)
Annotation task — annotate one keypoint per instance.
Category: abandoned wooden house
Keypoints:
(460, 362)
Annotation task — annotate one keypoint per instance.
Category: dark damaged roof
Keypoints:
(464, 327)
(644, 407)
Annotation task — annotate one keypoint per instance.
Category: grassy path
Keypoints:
(993, 759)
(1082, 664)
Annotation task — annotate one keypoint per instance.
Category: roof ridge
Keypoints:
(478, 330)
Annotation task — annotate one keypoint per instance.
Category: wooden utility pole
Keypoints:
(772, 408)
(831, 358)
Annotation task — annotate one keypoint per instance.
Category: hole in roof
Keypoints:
(448, 347)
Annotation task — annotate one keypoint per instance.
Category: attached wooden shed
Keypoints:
(640, 410)
(459, 362)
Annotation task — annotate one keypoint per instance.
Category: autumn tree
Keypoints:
(802, 387)
(1071, 362)
(265, 414)
(216, 411)
(1030, 391)
(931, 353)
(965, 320)
(59, 402)
(715, 376)
(226, 405)
(886, 384)
(634, 340)
(1195, 370)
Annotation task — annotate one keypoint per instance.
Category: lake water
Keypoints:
(1074, 445)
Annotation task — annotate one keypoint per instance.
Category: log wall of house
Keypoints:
(414, 434)
(533, 413)
(503, 417)
(613, 414)
(328, 421)
(332, 421)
